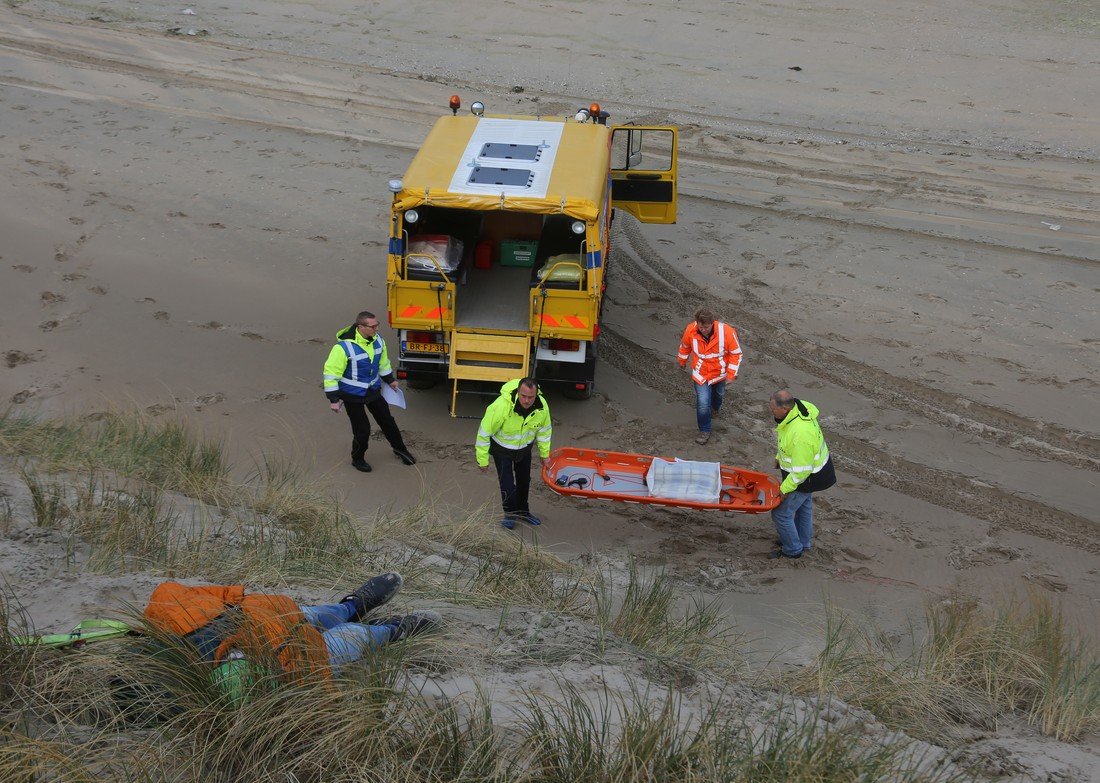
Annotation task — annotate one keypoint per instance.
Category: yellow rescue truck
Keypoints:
(499, 243)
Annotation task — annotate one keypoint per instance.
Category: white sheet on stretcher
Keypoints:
(685, 480)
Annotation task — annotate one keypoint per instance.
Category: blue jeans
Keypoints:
(707, 397)
(345, 642)
(794, 522)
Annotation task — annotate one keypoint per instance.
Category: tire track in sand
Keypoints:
(994, 425)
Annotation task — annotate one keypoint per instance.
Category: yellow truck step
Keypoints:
(487, 357)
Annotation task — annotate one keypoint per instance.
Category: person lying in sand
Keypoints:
(234, 631)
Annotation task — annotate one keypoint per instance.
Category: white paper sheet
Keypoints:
(393, 396)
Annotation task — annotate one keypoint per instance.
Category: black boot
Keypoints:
(405, 456)
(406, 625)
(373, 594)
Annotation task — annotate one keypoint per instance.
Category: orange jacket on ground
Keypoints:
(713, 360)
(270, 626)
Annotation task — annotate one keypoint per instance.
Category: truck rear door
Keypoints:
(643, 172)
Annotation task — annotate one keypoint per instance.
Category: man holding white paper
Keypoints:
(356, 369)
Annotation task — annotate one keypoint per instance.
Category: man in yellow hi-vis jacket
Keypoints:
(803, 458)
(515, 420)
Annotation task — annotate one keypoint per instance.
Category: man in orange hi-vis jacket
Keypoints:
(715, 356)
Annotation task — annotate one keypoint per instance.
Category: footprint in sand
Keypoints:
(22, 396)
(51, 298)
(1049, 581)
(208, 399)
(986, 553)
(72, 276)
(253, 336)
(160, 315)
(16, 358)
(48, 326)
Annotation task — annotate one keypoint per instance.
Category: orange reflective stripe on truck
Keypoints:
(413, 310)
(570, 320)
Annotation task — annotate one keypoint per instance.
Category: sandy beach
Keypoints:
(897, 206)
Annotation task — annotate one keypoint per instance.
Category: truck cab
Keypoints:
(499, 243)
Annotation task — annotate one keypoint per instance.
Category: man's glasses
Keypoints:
(369, 326)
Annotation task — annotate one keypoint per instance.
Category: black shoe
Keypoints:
(361, 464)
(529, 518)
(373, 594)
(775, 554)
(406, 625)
(405, 456)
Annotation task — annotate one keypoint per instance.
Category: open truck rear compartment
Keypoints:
(499, 244)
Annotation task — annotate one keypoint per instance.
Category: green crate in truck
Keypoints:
(514, 252)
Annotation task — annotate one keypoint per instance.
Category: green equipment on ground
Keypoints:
(234, 677)
(94, 630)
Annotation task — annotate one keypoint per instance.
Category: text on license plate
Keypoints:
(424, 347)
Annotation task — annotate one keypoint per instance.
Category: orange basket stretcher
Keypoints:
(611, 475)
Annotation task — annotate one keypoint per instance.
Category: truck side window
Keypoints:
(635, 148)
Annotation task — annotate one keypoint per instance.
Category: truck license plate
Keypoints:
(424, 347)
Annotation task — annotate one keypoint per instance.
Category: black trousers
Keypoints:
(514, 474)
(360, 425)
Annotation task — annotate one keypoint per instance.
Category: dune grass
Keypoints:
(122, 712)
(125, 501)
(163, 453)
(650, 737)
(967, 665)
(1019, 656)
(645, 612)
